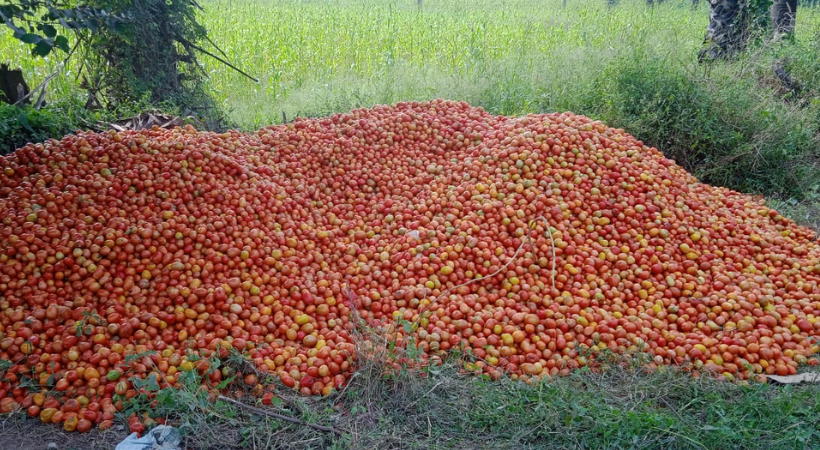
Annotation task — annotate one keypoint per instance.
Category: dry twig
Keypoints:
(263, 412)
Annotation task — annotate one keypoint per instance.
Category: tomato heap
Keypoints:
(531, 243)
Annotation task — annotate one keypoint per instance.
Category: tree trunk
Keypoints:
(784, 15)
(727, 31)
(13, 87)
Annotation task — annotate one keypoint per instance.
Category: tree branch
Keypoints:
(263, 412)
(196, 47)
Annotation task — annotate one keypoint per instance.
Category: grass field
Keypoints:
(511, 57)
(621, 408)
(320, 57)
(630, 65)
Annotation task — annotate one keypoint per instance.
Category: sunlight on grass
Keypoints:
(361, 52)
(319, 57)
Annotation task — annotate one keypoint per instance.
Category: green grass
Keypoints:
(621, 408)
(316, 58)
(631, 66)
(618, 405)
(512, 57)
(323, 57)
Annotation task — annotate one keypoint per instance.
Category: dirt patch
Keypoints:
(23, 433)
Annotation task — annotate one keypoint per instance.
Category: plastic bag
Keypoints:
(163, 437)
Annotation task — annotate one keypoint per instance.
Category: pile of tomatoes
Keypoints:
(532, 244)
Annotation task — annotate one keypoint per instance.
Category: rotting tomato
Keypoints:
(534, 243)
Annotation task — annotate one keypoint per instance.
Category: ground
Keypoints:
(19, 433)
(621, 407)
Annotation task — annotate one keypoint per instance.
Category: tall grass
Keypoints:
(318, 57)
(630, 65)
(315, 57)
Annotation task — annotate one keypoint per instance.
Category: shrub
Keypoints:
(727, 126)
(152, 56)
(19, 126)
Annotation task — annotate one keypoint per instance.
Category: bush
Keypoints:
(733, 126)
(152, 56)
(19, 126)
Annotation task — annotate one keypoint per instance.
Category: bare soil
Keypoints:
(23, 433)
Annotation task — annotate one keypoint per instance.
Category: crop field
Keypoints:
(321, 57)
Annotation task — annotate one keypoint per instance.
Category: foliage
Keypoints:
(152, 56)
(524, 56)
(36, 22)
(622, 407)
(717, 128)
(131, 50)
(385, 405)
(189, 402)
(20, 125)
(759, 20)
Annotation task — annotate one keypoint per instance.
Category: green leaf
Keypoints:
(29, 38)
(43, 48)
(48, 30)
(92, 24)
(23, 119)
(131, 358)
(152, 385)
(189, 378)
(10, 11)
(225, 382)
(62, 43)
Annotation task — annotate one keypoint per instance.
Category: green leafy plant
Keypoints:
(24, 124)
(37, 23)
(129, 51)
